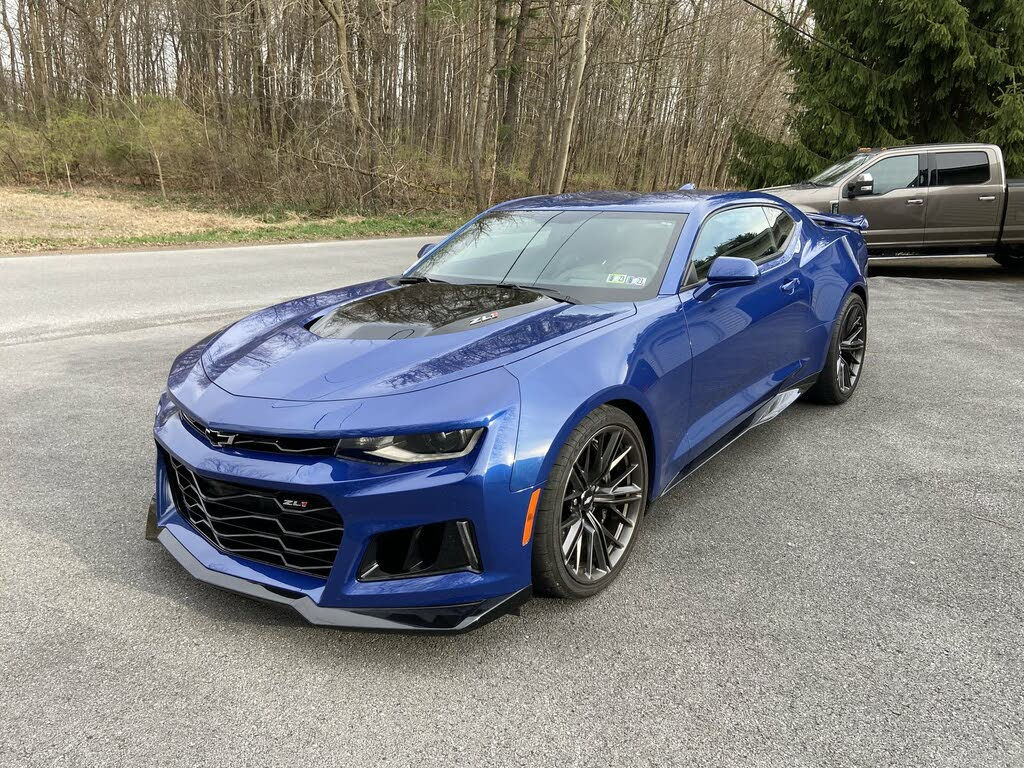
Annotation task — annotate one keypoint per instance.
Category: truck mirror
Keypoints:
(863, 184)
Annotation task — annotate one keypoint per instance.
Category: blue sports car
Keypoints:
(426, 451)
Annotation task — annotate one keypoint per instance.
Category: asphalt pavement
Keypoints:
(841, 587)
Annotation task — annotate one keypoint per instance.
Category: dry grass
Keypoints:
(36, 220)
(33, 220)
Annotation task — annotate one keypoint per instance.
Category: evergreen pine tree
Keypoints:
(916, 71)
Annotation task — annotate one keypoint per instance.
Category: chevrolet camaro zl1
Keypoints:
(425, 451)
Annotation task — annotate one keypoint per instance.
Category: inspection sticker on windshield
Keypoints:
(634, 280)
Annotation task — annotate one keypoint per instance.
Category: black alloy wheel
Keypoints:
(844, 361)
(853, 340)
(592, 506)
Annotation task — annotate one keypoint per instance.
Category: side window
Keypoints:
(781, 225)
(741, 232)
(895, 173)
(953, 168)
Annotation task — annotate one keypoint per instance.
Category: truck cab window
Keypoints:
(954, 168)
(897, 172)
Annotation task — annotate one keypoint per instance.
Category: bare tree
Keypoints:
(327, 104)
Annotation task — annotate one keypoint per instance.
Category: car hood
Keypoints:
(384, 338)
(805, 196)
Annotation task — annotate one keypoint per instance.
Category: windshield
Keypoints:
(834, 173)
(588, 256)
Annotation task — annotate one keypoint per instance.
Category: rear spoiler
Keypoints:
(839, 220)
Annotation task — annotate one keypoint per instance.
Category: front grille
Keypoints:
(301, 532)
(295, 445)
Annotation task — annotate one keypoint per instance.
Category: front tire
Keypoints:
(845, 359)
(591, 507)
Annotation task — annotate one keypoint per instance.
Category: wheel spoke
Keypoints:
(572, 538)
(599, 546)
(611, 446)
(576, 478)
(622, 518)
(610, 537)
(619, 480)
(590, 553)
(618, 458)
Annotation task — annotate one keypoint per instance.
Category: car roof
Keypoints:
(677, 201)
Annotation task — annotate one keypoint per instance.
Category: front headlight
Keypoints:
(430, 446)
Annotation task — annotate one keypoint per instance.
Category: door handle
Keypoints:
(790, 285)
(915, 201)
(986, 197)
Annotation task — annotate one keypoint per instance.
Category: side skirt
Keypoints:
(760, 415)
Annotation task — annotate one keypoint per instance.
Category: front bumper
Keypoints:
(442, 618)
(370, 501)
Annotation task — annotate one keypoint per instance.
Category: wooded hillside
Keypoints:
(361, 104)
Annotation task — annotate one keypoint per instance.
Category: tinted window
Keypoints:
(588, 255)
(953, 168)
(781, 225)
(741, 232)
(895, 173)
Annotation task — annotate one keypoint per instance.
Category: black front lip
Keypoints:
(442, 619)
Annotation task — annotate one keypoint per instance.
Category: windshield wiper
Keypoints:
(409, 279)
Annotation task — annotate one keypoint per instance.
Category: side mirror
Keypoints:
(727, 271)
(425, 250)
(863, 184)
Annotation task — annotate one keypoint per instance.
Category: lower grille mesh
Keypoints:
(301, 532)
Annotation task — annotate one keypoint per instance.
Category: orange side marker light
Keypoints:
(530, 512)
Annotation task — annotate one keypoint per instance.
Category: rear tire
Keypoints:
(591, 508)
(1012, 260)
(845, 359)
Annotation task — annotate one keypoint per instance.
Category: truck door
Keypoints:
(896, 208)
(965, 199)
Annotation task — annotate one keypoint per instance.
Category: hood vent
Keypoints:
(426, 309)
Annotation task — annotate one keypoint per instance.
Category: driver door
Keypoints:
(896, 209)
(747, 341)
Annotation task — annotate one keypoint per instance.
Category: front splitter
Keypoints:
(433, 619)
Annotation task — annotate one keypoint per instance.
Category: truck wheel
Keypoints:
(1012, 260)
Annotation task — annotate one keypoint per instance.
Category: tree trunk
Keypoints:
(517, 61)
(569, 118)
(483, 106)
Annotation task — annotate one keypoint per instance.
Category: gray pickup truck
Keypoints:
(923, 200)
